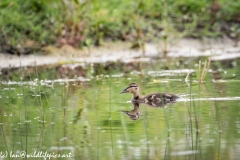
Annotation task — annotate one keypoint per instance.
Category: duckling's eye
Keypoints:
(135, 88)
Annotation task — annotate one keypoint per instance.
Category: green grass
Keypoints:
(90, 22)
(203, 70)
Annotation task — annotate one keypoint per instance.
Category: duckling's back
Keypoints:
(159, 99)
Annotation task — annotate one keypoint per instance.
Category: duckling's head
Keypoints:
(132, 88)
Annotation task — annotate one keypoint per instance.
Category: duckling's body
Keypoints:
(154, 99)
(157, 99)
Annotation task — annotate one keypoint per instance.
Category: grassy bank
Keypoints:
(26, 26)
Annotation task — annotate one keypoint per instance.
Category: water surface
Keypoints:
(82, 118)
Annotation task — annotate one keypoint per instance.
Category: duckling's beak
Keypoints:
(124, 91)
(124, 111)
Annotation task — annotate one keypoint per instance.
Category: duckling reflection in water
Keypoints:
(135, 113)
(154, 99)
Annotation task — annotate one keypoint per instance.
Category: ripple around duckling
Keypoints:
(176, 72)
(209, 99)
(45, 82)
(181, 153)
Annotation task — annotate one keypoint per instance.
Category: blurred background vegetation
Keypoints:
(26, 26)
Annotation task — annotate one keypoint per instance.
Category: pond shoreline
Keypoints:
(218, 49)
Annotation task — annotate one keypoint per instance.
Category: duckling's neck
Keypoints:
(135, 96)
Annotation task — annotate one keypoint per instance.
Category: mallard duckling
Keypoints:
(135, 113)
(154, 100)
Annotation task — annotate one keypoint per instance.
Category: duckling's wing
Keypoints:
(154, 100)
(160, 99)
(168, 97)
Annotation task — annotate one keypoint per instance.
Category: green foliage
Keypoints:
(75, 22)
(21, 20)
(230, 9)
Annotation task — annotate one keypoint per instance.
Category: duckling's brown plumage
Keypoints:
(154, 99)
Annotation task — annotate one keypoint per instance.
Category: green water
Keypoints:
(81, 119)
